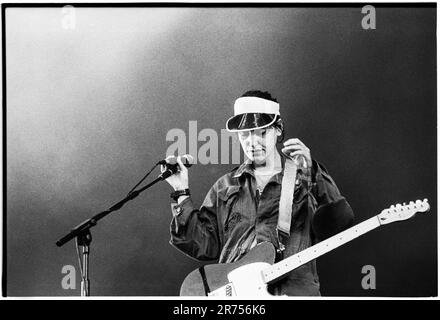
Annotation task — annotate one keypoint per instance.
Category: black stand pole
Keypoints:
(83, 240)
(84, 237)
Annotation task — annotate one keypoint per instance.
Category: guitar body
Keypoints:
(242, 277)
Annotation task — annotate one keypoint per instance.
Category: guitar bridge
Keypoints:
(225, 291)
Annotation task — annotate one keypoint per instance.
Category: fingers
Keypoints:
(178, 180)
(300, 158)
(297, 154)
(182, 176)
(291, 148)
(172, 160)
(295, 148)
(293, 145)
(168, 160)
(181, 165)
(293, 141)
(292, 151)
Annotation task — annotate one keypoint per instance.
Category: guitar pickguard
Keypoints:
(217, 275)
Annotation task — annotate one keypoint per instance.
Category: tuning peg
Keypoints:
(418, 202)
(404, 204)
(411, 203)
(425, 200)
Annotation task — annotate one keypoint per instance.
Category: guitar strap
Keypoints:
(286, 201)
(204, 280)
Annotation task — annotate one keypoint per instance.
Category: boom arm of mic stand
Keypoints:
(89, 223)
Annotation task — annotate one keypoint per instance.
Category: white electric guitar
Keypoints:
(250, 276)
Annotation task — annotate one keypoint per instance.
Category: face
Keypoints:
(259, 144)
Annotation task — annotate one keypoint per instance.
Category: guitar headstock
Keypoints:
(401, 212)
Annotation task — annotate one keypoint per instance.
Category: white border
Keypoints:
(229, 299)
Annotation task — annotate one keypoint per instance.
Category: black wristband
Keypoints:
(176, 194)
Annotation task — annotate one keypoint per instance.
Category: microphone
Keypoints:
(187, 160)
(172, 166)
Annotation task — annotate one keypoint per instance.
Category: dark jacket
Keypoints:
(234, 214)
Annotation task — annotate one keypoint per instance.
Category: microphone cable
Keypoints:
(145, 177)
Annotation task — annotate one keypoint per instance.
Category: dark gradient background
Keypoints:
(88, 111)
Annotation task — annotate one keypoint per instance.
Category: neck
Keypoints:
(281, 268)
(272, 163)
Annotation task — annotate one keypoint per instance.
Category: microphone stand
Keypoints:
(83, 240)
(84, 237)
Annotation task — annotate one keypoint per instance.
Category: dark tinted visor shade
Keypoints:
(249, 121)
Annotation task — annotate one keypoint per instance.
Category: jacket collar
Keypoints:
(247, 167)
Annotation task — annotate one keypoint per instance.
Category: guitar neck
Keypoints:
(279, 269)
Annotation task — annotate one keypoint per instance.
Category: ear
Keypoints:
(278, 131)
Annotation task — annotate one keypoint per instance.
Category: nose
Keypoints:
(251, 138)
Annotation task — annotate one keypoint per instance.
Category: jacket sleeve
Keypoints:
(333, 213)
(195, 231)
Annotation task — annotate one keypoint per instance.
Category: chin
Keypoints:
(259, 159)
